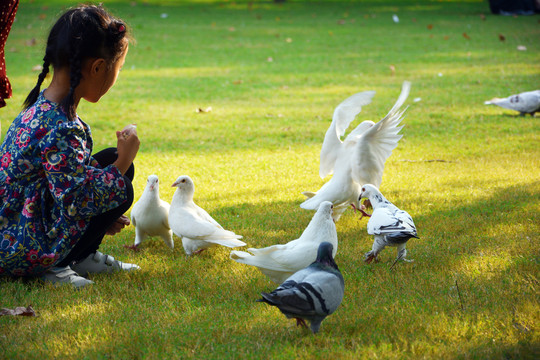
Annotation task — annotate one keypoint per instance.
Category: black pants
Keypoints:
(90, 241)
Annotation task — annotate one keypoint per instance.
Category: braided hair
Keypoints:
(87, 31)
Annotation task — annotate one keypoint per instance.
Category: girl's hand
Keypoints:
(117, 226)
(127, 147)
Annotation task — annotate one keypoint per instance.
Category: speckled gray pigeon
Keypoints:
(390, 225)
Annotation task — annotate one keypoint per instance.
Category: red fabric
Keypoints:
(8, 9)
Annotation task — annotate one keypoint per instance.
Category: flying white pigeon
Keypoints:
(193, 224)
(360, 158)
(312, 293)
(390, 225)
(278, 262)
(150, 215)
(526, 103)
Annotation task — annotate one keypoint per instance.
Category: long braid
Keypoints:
(34, 93)
(75, 76)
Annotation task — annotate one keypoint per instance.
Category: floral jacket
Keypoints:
(50, 187)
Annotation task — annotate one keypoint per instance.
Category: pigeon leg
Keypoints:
(198, 251)
(361, 210)
(301, 322)
(402, 252)
(132, 247)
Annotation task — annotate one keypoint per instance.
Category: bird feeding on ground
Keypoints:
(526, 102)
(360, 158)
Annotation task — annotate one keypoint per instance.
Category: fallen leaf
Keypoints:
(289, 40)
(269, 59)
(430, 26)
(501, 37)
(201, 110)
(413, 19)
(238, 82)
(417, 99)
(392, 69)
(31, 42)
(483, 17)
(341, 22)
(21, 310)
(522, 48)
(42, 16)
(232, 28)
(446, 37)
(466, 36)
(37, 68)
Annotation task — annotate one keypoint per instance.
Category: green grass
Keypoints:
(477, 213)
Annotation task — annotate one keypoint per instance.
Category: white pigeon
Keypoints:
(390, 225)
(150, 215)
(526, 103)
(312, 293)
(360, 158)
(278, 262)
(197, 229)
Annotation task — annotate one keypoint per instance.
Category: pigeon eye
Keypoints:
(183, 180)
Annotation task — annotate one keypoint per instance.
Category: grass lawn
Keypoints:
(273, 74)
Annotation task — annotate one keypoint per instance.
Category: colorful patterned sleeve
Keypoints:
(80, 189)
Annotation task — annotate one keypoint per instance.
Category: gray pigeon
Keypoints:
(390, 225)
(312, 293)
(526, 103)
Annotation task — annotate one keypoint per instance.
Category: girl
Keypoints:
(57, 201)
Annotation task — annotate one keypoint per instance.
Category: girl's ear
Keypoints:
(97, 66)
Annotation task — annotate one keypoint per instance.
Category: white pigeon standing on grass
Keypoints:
(197, 229)
(312, 293)
(150, 215)
(360, 158)
(390, 225)
(278, 262)
(526, 102)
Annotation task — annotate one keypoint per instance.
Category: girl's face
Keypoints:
(103, 78)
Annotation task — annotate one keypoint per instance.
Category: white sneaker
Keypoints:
(65, 275)
(100, 263)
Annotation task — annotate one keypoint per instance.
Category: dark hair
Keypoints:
(83, 32)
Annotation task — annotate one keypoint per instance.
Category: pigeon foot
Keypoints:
(198, 251)
(301, 322)
(132, 247)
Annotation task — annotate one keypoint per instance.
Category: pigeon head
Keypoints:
(184, 185)
(324, 255)
(153, 183)
(326, 208)
(367, 191)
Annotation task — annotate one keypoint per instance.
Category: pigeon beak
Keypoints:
(174, 184)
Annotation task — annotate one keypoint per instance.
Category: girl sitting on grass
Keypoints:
(57, 201)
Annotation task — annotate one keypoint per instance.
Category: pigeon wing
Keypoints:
(376, 144)
(343, 115)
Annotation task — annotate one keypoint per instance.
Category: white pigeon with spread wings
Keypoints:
(390, 225)
(526, 102)
(360, 158)
(278, 262)
(197, 229)
(150, 215)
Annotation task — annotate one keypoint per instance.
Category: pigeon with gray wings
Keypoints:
(390, 225)
(312, 293)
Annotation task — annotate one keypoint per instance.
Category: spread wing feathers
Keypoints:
(343, 115)
(388, 220)
(376, 144)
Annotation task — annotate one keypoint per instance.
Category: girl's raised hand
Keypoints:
(127, 147)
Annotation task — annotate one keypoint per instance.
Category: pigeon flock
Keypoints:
(311, 286)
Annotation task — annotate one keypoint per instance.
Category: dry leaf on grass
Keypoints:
(21, 310)
(501, 37)
(466, 36)
(201, 110)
